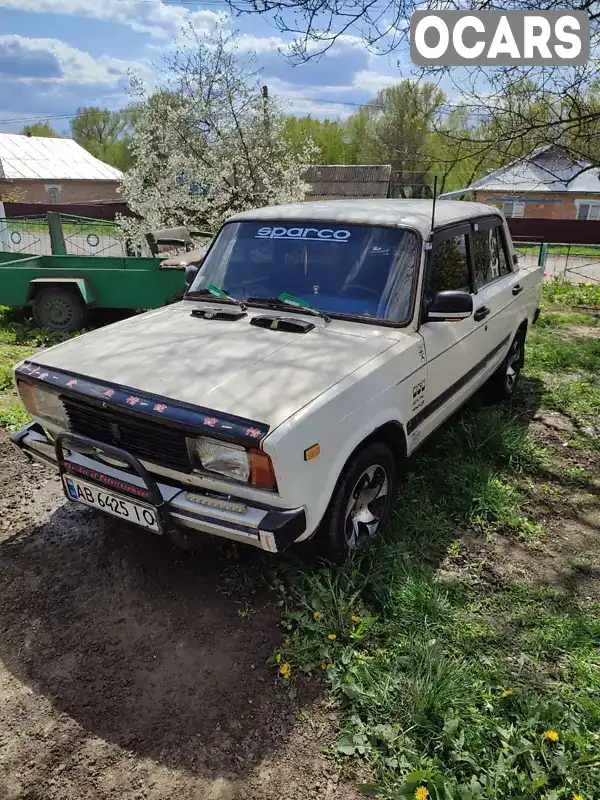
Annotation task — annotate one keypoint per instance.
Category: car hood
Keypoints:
(226, 365)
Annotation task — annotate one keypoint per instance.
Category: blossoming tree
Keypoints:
(208, 143)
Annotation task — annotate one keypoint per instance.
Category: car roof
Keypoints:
(397, 213)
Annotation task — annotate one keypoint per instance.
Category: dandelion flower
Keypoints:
(317, 615)
(285, 670)
(507, 693)
(421, 793)
(332, 637)
(355, 618)
(326, 665)
(551, 736)
(577, 797)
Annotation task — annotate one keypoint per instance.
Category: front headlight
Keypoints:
(223, 458)
(43, 404)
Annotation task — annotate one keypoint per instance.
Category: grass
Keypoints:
(18, 340)
(454, 676)
(584, 251)
(69, 228)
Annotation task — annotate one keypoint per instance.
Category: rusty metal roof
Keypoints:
(45, 158)
(345, 180)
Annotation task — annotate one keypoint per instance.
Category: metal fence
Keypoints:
(25, 235)
(91, 237)
(76, 236)
(529, 252)
(571, 263)
(579, 263)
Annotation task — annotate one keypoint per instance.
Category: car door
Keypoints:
(496, 290)
(450, 347)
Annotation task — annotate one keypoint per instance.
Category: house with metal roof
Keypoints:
(339, 181)
(551, 183)
(40, 169)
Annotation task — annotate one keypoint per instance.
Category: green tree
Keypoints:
(328, 136)
(396, 128)
(105, 134)
(40, 129)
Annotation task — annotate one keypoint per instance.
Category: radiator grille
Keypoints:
(144, 438)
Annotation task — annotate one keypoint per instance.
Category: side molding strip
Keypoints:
(439, 401)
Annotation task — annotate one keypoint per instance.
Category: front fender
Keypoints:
(339, 422)
(325, 486)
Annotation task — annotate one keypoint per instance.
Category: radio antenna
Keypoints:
(434, 199)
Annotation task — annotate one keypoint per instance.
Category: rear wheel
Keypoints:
(59, 309)
(361, 504)
(503, 383)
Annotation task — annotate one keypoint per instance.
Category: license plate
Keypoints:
(94, 496)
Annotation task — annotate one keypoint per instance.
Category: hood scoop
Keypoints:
(287, 324)
(205, 313)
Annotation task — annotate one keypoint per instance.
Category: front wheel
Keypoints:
(361, 504)
(503, 382)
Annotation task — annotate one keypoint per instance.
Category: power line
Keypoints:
(323, 101)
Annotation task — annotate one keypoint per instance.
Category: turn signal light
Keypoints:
(261, 471)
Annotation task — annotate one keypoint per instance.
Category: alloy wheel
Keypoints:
(513, 366)
(365, 507)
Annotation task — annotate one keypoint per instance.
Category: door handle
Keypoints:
(517, 289)
(481, 313)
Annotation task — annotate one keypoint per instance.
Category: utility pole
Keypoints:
(265, 97)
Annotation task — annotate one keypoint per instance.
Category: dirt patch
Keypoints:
(126, 672)
(566, 555)
(574, 332)
(567, 558)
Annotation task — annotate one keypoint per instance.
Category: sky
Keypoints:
(58, 55)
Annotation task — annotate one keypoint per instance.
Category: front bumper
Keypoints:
(271, 529)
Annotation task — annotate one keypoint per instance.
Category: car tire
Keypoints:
(59, 310)
(503, 383)
(361, 503)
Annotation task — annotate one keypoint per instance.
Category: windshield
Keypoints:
(351, 270)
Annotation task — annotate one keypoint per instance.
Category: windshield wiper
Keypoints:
(289, 301)
(218, 294)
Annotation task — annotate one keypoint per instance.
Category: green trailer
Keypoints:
(62, 287)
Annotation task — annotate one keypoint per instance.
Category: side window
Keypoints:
(489, 259)
(498, 244)
(450, 269)
(485, 257)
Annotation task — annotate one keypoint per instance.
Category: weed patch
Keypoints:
(464, 689)
(568, 295)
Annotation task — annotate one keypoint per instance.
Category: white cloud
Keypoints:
(260, 44)
(371, 81)
(300, 100)
(160, 20)
(73, 66)
(330, 100)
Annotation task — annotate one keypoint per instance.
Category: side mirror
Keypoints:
(450, 306)
(190, 274)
